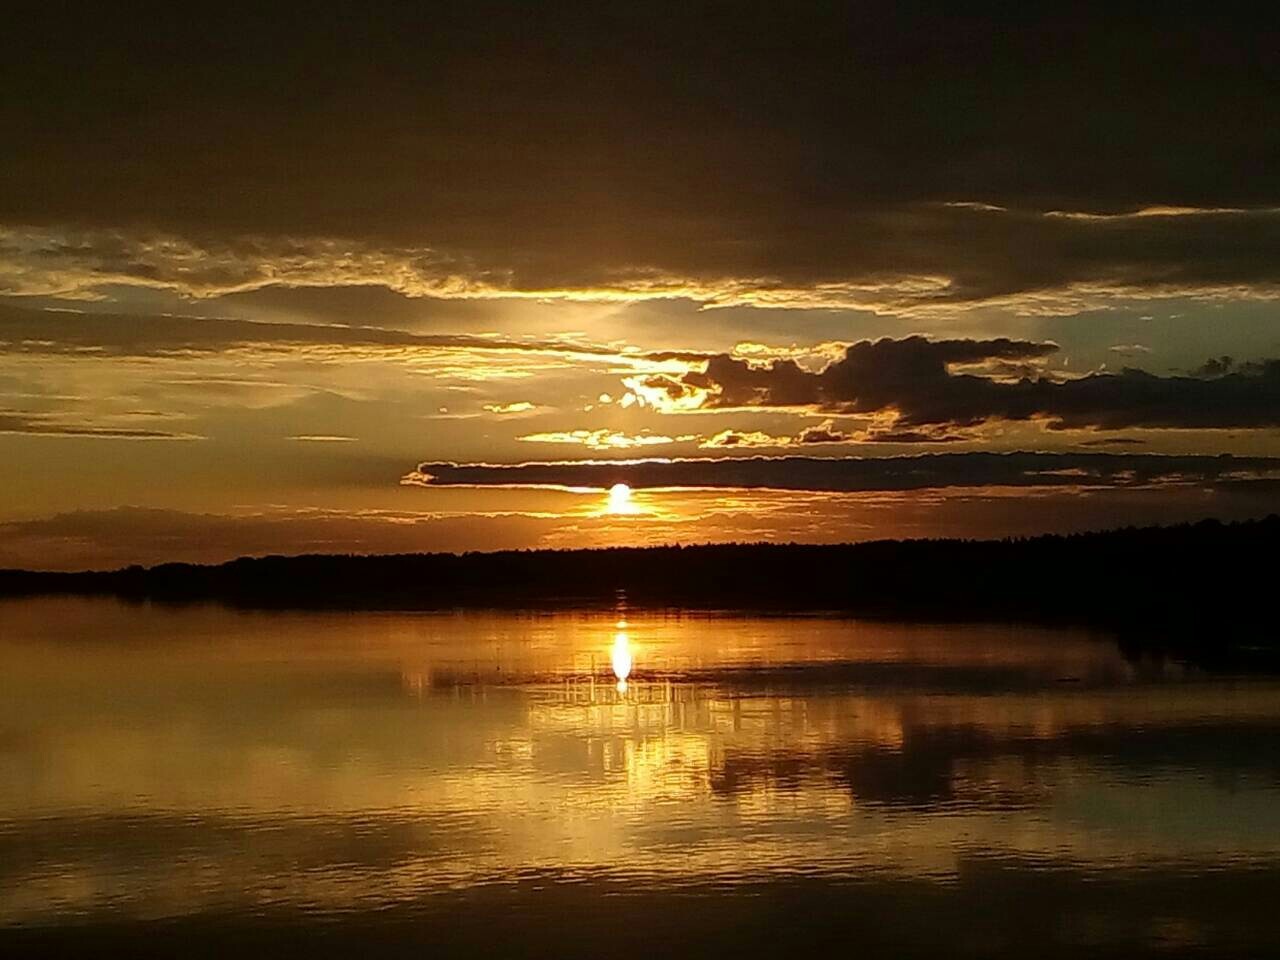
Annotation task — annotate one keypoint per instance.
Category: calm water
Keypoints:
(200, 780)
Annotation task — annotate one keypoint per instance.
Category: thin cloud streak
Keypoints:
(50, 425)
(132, 335)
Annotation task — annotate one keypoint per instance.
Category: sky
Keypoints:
(281, 280)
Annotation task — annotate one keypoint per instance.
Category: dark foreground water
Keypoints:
(204, 782)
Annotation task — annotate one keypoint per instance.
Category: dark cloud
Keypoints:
(872, 375)
(924, 384)
(776, 147)
(823, 433)
(827, 432)
(742, 439)
(852, 474)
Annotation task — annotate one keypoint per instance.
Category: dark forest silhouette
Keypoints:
(1206, 586)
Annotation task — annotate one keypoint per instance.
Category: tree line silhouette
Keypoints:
(1191, 585)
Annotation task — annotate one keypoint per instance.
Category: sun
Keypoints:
(620, 499)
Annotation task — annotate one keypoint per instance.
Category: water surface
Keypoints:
(201, 780)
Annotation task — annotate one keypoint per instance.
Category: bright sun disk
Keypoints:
(620, 498)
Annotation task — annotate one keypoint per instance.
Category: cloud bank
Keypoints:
(861, 474)
(814, 154)
(924, 384)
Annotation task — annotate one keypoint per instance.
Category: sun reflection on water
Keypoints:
(621, 658)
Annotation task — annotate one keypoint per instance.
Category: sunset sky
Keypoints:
(340, 284)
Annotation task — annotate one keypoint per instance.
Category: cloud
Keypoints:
(604, 439)
(27, 336)
(824, 432)
(54, 332)
(857, 474)
(506, 409)
(925, 384)
(929, 435)
(871, 376)
(1157, 211)
(817, 155)
(55, 425)
(919, 258)
(743, 439)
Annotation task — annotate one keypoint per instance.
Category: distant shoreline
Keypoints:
(1204, 587)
